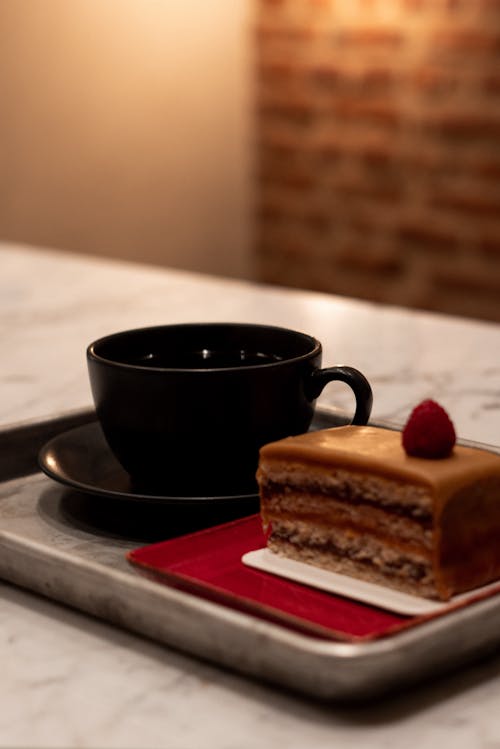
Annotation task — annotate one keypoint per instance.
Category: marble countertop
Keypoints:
(69, 680)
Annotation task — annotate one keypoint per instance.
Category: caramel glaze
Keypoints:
(465, 491)
(379, 451)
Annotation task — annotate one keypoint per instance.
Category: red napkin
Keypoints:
(208, 564)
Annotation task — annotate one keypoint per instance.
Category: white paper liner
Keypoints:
(350, 587)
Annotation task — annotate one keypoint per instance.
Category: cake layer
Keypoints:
(411, 500)
(362, 557)
(304, 506)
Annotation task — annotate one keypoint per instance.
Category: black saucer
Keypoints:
(81, 459)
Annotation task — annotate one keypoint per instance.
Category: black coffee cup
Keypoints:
(185, 408)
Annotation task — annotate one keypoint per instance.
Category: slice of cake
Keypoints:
(350, 499)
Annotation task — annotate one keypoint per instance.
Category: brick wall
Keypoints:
(378, 126)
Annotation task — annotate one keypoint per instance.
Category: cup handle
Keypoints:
(352, 377)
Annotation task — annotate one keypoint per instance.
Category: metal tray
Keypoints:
(71, 548)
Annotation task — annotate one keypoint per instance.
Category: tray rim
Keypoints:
(344, 680)
(346, 648)
(328, 671)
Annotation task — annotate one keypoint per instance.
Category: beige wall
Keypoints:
(125, 129)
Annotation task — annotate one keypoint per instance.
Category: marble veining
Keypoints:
(69, 680)
(52, 305)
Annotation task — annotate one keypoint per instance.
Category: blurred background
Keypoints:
(346, 146)
(124, 129)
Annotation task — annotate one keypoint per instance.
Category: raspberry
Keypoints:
(429, 433)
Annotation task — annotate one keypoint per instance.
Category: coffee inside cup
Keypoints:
(204, 358)
(203, 346)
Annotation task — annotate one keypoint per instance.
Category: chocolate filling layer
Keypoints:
(400, 567)
(271, 490)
